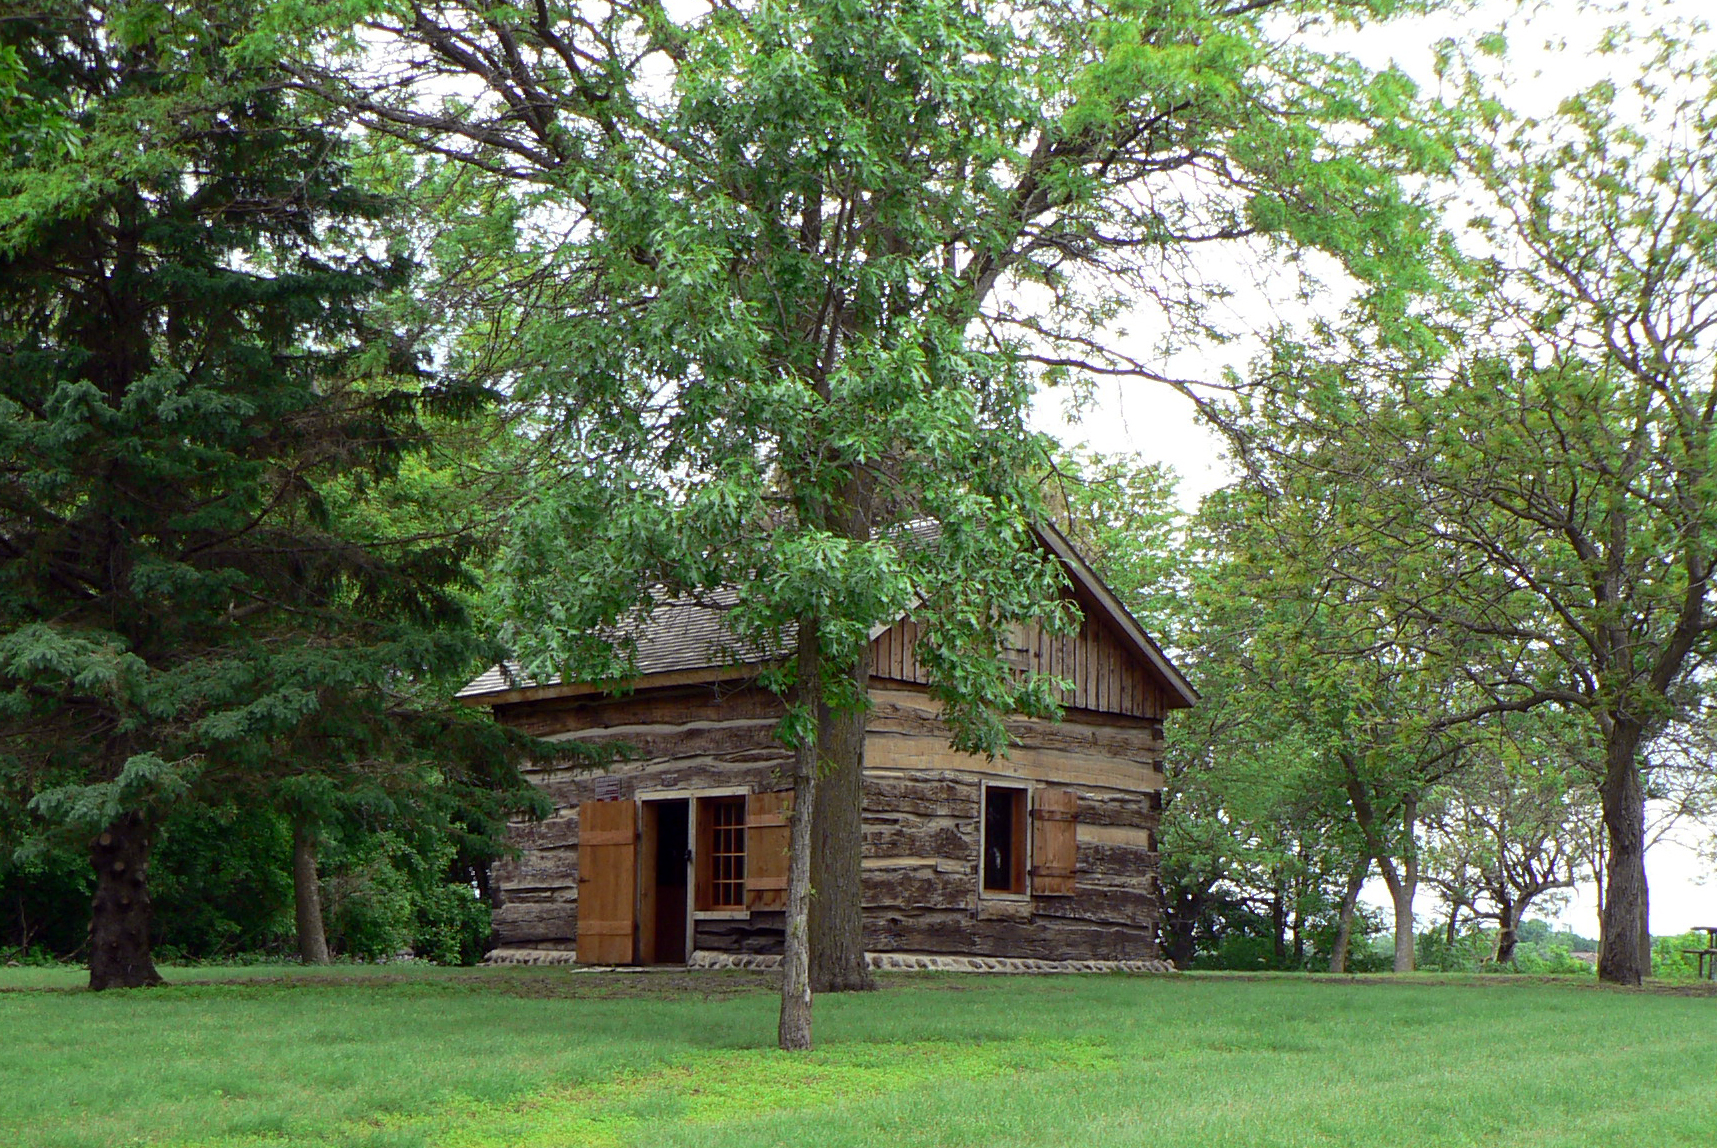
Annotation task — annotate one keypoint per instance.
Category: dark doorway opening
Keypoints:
(665, 889)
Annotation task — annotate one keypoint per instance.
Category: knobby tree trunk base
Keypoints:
(119, 955)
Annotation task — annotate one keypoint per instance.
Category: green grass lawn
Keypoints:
(550, 1058)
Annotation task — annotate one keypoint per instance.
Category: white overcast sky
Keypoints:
(1550, 54)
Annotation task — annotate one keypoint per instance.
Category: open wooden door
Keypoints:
(607, 882)
(664, 893)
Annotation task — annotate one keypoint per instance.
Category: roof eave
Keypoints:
(663, 680)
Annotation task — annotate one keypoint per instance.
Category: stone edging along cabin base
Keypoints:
(887, 962)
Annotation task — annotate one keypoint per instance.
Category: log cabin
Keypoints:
(1043, 858)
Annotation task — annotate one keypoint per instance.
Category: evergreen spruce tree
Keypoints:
(195, 395)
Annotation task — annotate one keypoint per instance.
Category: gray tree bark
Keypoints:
(1403, 880)
(794, 1033)
(1508, 929)
(307, 895)
(1624, 956)
(837, 907)
(1401, 892)
(1344, 923)
(837, 873)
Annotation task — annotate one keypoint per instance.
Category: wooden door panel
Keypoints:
(607, 882)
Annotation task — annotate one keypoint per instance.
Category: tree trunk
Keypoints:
(1644, 916)
(119, 916)
(1403, 883)
(1597, 854)
(837, 906)
(795, 1028)
(1401, 891)
(23, 925)
(1299, 932)
(1182, 924)
(1508, 929)
(1625, 955)
(1278, 925)
(837, 909)
(307, 895)
(1344, 924)
(1302, 876)
(483, 876)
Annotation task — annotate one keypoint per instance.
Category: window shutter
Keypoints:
(607, 882)
(1054, 842)
(766, 839)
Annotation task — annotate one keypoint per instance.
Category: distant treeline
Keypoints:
(221, 880)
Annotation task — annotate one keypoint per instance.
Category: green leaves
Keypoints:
(1493, 519)
(777, 277)
(219, 573)
(53, 658)
(145, 782)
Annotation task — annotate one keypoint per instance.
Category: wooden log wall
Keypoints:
(921, 821)
(1107, 677)
(922, 830)
(693, 738)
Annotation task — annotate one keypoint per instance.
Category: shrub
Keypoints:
(368, 909)
(1471, 950)
(453, 926)
(1371, 954)
(221, 881)
(1238, 951)
(388, 896)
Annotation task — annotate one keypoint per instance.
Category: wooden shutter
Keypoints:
(766, 839)
(607, 882)
(1054, 842)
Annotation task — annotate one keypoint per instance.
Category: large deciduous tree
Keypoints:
(1367, 701)
(801, 266)
(1510, 833)
(1316, 736)
(1543, 474)
(189, 365)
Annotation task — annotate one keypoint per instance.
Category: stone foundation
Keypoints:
(884, 962)
(940, 963)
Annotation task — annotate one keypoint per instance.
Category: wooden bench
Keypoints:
(1707, 961)
(1708, 955)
